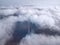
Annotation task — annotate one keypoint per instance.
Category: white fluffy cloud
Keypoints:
(44, 17)
(8, 11)
(35, 39)
(6, 29)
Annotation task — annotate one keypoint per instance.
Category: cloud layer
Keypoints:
(43, 23)
(41, 39)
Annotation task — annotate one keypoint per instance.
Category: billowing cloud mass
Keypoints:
(31, 25)
(35, 39)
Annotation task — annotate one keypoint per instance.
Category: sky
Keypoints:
(30, 2)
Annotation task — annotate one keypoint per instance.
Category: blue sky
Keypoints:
(29, 2)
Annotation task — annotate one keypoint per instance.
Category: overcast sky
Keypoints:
(30, 2)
